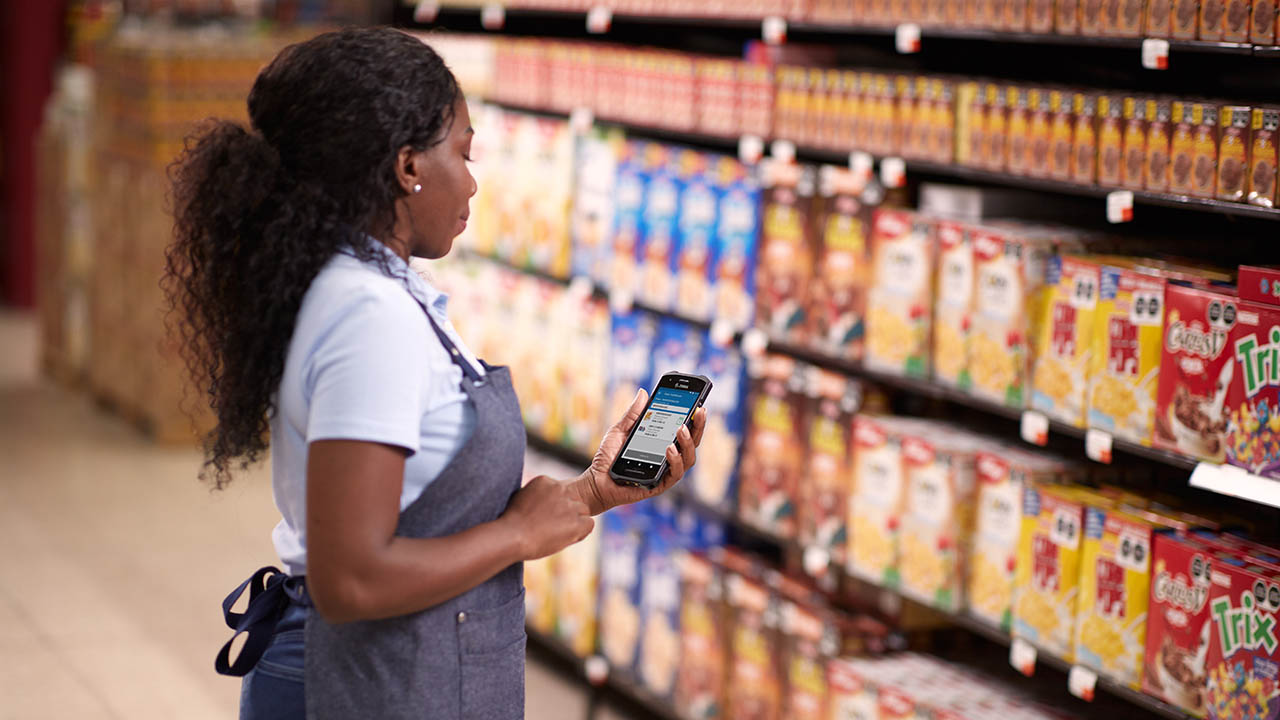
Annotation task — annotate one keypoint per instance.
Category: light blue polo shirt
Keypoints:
(364, 364)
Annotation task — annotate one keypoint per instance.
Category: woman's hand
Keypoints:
(547, 515)
(601, 493)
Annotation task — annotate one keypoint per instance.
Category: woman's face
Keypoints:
(439, 212)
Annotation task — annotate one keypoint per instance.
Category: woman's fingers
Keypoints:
(688, 449)
(675, 465)
(699, 425)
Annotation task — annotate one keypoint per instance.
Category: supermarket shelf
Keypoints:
(1140, 197)
(617, 681)
(805, 30)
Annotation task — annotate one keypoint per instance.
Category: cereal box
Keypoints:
(1134, 144)
(714, 479)
(1159, 137)
(996, 127)
(576, 592)
(807, 649)
(938, 512)
(1018, 132)
(1259, 284)
(1186, 19)
(593, 206)
(1252, 376)
(1115, 584)
(1061, 134)
(837, 295)
(1047, 583)
(1243, 661)
(1196, 368)
(1262, 27)
(737, 226)
(901, 293)
(835, 400)
(773, 459)
(879, 488)
(953, 304)
(539, 600)
(1178, 625)
(1040, 132)
(1091, 15)
(656, 247)
(1067, 18)
(1233, 152)
(1041, 16)
(622, 537)
(1211, 19)
(1183, 145)
(659, 652)
(678, 347)
(630, 187)
(1126, 353)
(696, 236)
(1001, 475)
(702, 682)
(1204, 174)
(1084, 163)
(1110, 140)
(1066, 339)
(786, 252)
(630, 360)
(1236, 21)
(1263, 157)
(1009, 290)
(1159, 18)
(755, 675)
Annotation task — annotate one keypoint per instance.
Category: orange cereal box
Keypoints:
(1110, 140)
(1133, 171)
(1061, 134)
(1084, 163)
(1263, 157)
(1185, 117)
(1159, 138)
(1233, 152)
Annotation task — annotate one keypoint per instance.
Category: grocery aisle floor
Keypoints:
(114, 559)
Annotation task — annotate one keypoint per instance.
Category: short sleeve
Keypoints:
(366, 374)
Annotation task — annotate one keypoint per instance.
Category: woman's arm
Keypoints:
(358, 569)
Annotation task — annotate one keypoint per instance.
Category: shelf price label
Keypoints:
(1097, 446)
(1120, 206)
(1155, 54)
(907, 38)
(1035, 428)
(1236, 482)
(893, 172)
(426, 11)
(581, 120)
(621, 300)
(861, 164)
(493, 16)
(774, 30)
(581, 287)
(1022, 656)
(750, 149)
(1082, 681)
(721, 333)
(783, 151)
(816, 561)
(754, 343)
(596, 668)
(599, 20)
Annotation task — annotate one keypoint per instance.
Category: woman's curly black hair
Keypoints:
(259, 211)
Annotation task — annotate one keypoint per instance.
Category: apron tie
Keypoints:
(270, 593)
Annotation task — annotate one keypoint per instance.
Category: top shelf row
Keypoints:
(1157, 27)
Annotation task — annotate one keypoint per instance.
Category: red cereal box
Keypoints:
(1196, 367)
(1244, 654)
(1259, 284)
(1253, 394)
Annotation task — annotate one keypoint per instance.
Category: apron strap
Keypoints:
(455, 354)
(270, 593)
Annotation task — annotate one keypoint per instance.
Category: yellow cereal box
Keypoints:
(953, 304)
(1126, 353)
(901, 294)
(1065, 347)
(1047, 582)
(576, 590)
(876, 504)
(1001, 475)
(1115, 584)
(539, 594)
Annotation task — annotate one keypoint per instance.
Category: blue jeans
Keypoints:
(273, 690)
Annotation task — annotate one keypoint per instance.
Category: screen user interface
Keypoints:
(658, 426)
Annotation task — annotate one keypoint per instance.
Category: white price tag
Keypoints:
(783, 151)
(621, 300)
(817, 560)
(754, 343)
(1236, 482)
(1120, 206)
(1155, 54)
(750, 149)
(493, 16)
(581, 120)
(1022, 656)
(1081, 681)
(599, 20)
(774, 30)
(596, 668)
(1147, 309)
(426, 11)
(907, 38)
(861, 164)
(1097, 446)
(581, 287)
(721, 333)
(890, 603)
(1035, 428)
(893, 172)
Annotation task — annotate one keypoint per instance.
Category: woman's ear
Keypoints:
(408, 170)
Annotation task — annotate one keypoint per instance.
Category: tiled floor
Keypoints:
(114, 559)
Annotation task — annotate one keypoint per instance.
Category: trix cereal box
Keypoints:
(1066, 339)
(786, 252)
(954, 303)
(737, 225)
(1047, 583)
(1196, 368)
(1115, 584)
(1252, 376)
(1126, 354)
(1243, 663)
(774, 457)
(1178, 622)
(837, 296)
(835, 400)
(901, 293)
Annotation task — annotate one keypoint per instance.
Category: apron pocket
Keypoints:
(491, 647)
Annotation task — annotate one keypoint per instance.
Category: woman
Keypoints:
(397, 455)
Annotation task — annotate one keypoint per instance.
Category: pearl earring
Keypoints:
(417, 188)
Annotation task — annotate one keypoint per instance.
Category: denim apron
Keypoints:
(464, 658)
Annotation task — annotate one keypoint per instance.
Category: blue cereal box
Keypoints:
(622, 546)
(630, 360)
(714, 480)
(659, 652)
(595, 176)
(678, 348)
(630, 187)
(656, 249)
(733, 264)
(691, 263)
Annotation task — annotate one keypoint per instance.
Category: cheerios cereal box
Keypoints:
(900, 298)
(1242, 669)
(937, 520)
(824, 495)
(875, 508)
(1126, 353)
(1047, 585)
(1253, 391)
(1196, 369)
(953, 304)
(702, 682)
(1002, 474)
(1115, 584)
(1065, 348)
(774, 453)
(1009, 279)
